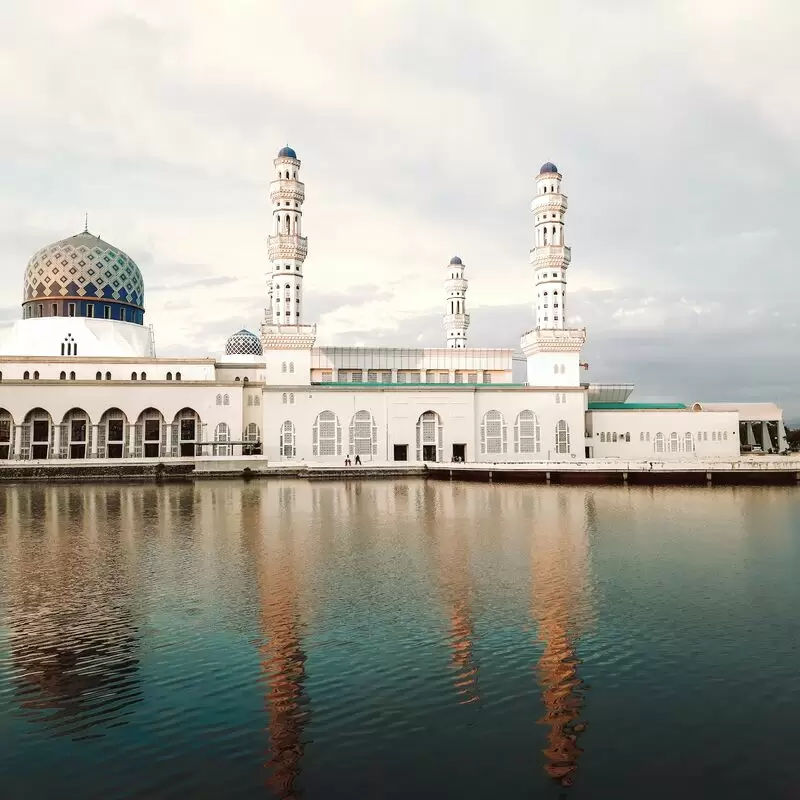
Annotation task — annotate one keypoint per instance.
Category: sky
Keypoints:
(421, 127)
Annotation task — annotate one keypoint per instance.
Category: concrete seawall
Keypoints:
(774, 471)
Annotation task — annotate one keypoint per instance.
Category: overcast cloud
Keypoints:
(421, 126)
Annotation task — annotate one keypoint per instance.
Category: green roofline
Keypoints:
(350, 385)
(637, 407)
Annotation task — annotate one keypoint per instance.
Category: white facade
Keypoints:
(85, 387)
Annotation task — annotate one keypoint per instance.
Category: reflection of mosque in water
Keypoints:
(72, 634)
(282, 657)
(559, 603)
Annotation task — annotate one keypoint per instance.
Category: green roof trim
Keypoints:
(637, 407)
(350, 384)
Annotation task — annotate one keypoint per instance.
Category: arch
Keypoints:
(363, 434)
(288, 440)
(143, 376)
(226, 399)
(36, 374)
(169, 376)
(186, 433)
(6, 435)
(291, 367)
(38, 433)
(688, 442)
(291, 398)
(26, 376)
(72, 376)
(134, 376)
(252, 435)
(222, 437)
(429, 437)
(326, 435)
(249, 400)
(219, 399)
(284, 398)
(527, 433)
(674, 443)
(177, 376)
(493, 433)
(62, 376)
(658, 443)
(150, 434)
(237, 379)
(98, 376)
(245, 379)
(283, 367)
(108, 376)
(257, 400)
(562, 437)
(112, 433)
(75, 434)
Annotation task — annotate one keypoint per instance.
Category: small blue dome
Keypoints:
(548, 166)
(456, 260)
(243, 343)
(287, 152)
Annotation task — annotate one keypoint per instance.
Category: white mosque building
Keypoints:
(79, 378)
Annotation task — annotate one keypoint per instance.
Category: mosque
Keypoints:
(79, 376)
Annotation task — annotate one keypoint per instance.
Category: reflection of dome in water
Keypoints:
(83, 276)
(243, 343)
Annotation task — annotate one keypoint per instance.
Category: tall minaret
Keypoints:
(287, 246)
(550, 257)
(552, 348)
(456, 319)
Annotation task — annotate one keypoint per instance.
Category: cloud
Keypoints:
(420, 128)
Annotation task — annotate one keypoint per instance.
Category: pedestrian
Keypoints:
(347, 460)
(358, 459)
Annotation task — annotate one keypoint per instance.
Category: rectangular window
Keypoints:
(90, 310)
(472, 377)
(459, 376)
(401, 376)
(487, 376)
(327, 376)
(613, 437)
(641, 436)
(41, 309)
(342, 376)
(430, 376)
(386, 377)
(107, 312)
(444, 377)
(372, 376)
(355, 376)
(71, 309)
(54, 309)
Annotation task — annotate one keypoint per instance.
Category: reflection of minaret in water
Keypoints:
(283, 660)
(559, 566)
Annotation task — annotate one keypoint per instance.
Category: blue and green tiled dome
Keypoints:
(83, 276)
(243, 343)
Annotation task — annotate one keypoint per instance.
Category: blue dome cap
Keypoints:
(456, 260)
(287, 152)
(548, 166)
(243, 343)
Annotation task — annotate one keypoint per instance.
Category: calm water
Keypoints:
(398, 639)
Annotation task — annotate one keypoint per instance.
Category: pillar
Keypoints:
(750, 436)
(18, 441)
(56, 448)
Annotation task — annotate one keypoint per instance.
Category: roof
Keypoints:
(748, 412)
(637, 407)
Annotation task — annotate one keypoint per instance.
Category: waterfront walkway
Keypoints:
(747, 469)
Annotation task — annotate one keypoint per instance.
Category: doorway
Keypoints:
(116, 432)
(429, 452)
(77, 438)
(40, 443)
(401, 452)
(152, 438)
(188, 431)
(459, 452)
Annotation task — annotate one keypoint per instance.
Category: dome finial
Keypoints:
(86, 222)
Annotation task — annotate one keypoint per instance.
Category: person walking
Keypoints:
(358, 460)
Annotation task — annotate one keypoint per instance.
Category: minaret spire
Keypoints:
(456, 319)
(86, 222)
(287, 246)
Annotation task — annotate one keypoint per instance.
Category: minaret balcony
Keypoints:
(551, 255)
(287, 190)
(549, 202)
(456, 320)
(284, 246)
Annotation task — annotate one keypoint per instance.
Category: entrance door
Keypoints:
(40, 441)
(152, 438)
(188, 430)
(116, 433)
(459, 452)
(429, 452)
(77, 438)
(401, 452)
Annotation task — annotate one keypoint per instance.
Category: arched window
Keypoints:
(363, 434)
(144, 376)
(257, 400)
(226, 399)
(602, 438)
(62, 376)
(562, 437)
(658, 443)
(245, 379)
(285, 398)
(429, 437)
(674, 443)
(237, 379)
(493, 433)
(98, 376)
(291, 398)
(169, 376)
(291, 367)
(108, 376)
(36, 374)
(283, 367)
(527, 433)
(555, 369)
(134, 376)
(288, 447)
(544, 231)
(252, 435)
(219, 399)
(26, 376)
(250, 400)
(177, 376)
(688, 443)
(563, 368)
(72, 376)
(222, 434)
(326, 435)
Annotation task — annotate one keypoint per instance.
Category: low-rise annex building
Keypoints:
(79, 376)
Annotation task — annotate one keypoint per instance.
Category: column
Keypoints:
(18, 441)
(56, 449)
